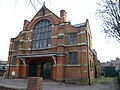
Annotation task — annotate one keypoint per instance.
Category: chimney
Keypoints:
(63, 16)
(26, 22)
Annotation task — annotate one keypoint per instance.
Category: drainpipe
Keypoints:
(88, 59)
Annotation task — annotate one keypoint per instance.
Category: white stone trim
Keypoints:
(24, 49)
(61, 34)
(62, 24)
(54, 36)
(26, 40)
(82, 43)
(82, 32)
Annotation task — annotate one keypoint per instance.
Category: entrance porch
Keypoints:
(45, 66)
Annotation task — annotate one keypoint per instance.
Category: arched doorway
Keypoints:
(46, 71)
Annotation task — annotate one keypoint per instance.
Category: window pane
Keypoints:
(39, 24)
(42, 29)
(42, 35)
(42, 43)
(71, 40)
(35, 30)
(45, 28)
(42, 24)
(33, 44)
(38, 36)
(45, 43)
(73, 58)
(49, 28)
(46, 35)
(14, 60)
(49, 34)
(47, 24)
(37, 44)
(34, 37)
(38, 30)
(75, 39)
(48, 42)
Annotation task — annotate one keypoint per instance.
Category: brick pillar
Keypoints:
(17, 67)
(59, 68)
(39, 68)
(35, 83)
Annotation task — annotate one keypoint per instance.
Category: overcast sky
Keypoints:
(14, 12)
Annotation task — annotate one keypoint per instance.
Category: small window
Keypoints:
(73, 39)
(14, 60)
(73, 58)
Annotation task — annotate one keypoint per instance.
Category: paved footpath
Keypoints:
(51, 85)
(99, 86)
(14, 83)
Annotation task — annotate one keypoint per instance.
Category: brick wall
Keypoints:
(35, 83)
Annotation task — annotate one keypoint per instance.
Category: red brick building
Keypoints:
(52, 48)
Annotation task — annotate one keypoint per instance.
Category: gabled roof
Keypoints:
(41, 10)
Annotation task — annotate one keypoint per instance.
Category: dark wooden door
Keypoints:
(32, 70)
(46, 73)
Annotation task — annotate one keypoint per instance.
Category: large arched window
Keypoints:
(41, 36)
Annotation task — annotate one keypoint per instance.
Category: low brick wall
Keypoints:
(35, 83)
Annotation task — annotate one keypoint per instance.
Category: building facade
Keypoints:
(50, 47)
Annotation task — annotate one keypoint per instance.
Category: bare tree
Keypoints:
(109, 14)
(34, 3)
